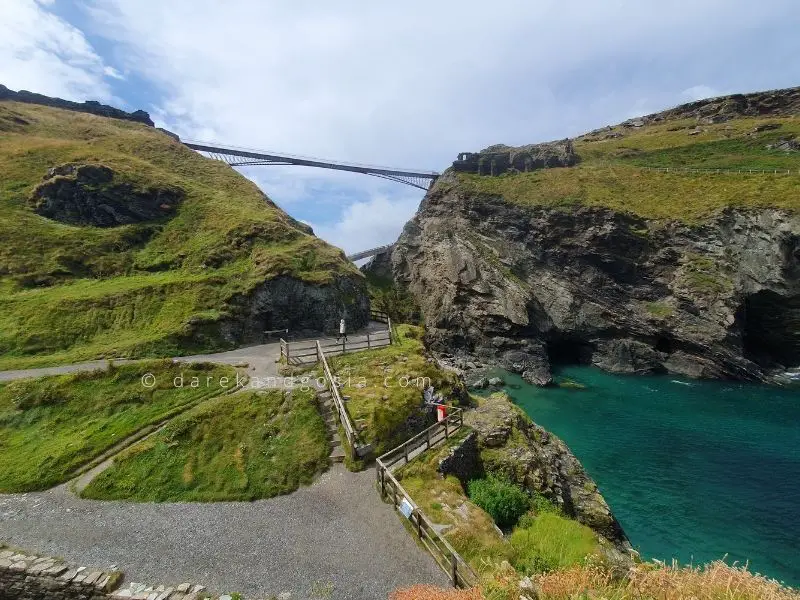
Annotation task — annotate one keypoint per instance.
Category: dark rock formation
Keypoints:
(379, 266)
(463, 460)
(506, 442)
(89, 195)
(499, 159)
(526, 286)
(90, 106)
(301, 307)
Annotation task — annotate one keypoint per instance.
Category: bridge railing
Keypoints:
(371, 252)
(221, 150)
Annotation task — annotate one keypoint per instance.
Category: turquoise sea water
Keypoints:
(693, 470)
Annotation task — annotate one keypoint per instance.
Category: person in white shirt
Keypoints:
(342, 331)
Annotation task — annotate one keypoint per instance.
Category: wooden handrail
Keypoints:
(344, 418)
(457, 568)
(455, 415)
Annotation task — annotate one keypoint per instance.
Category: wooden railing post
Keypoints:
(454, 569)
(368, 344)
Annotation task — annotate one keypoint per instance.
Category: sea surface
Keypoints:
(693, 470)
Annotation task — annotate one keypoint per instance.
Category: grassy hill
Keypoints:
(180, 278)
(616, 164)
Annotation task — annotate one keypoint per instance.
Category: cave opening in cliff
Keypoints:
(569, 351)
(664, 345)
(770, 325)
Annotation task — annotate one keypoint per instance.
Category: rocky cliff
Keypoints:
(616, 264)
(507, 443)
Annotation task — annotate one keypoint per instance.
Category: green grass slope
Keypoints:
(385, 388)
(615, 170)
(73, 292)
(51, 426)
(239, 447)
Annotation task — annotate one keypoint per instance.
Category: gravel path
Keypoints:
(260, 359)
(334, 534)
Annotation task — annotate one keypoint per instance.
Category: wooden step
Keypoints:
(337, 455)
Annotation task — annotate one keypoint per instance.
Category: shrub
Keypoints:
(503, 500)
(551, 542)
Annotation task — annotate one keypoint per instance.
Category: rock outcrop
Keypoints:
(507, 443)
(89, 195)
(303, 308)
(90, 106)
(523, 286)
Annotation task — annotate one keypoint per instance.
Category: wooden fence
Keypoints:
(379, 316)
(724, 171)
(338, 403)
(460, 573)
(298, 353)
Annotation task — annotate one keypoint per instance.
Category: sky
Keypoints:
(403, 84)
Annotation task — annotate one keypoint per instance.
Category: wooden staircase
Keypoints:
(328, 411)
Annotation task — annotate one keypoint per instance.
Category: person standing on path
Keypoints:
(342, 331)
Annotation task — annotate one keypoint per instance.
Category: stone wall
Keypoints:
(24, 576)
(463, 460)
(499, 159)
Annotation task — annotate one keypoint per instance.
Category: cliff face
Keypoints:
(528, 286)
(615, 264)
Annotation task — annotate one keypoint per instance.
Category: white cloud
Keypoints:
(42, 53)
(112, 72)
(369, 224)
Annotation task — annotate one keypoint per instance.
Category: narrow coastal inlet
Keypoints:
(693, 470)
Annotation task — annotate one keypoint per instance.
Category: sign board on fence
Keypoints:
(406, 508)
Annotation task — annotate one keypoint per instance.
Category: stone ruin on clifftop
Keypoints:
(498, 159)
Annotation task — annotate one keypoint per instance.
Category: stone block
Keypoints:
(92, 577)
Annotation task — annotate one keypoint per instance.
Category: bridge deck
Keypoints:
(238, 157)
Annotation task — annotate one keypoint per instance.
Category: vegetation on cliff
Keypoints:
(616, 168)
(51, 426)
(120, 241)
(714, 581)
